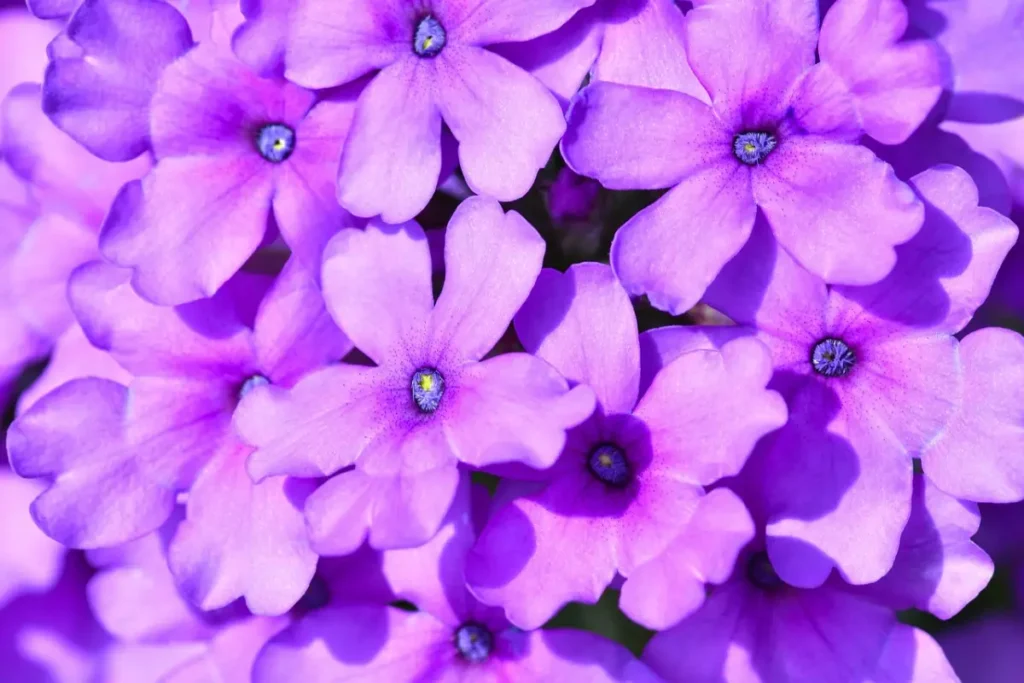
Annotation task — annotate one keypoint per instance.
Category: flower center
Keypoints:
(251, 383)
(608, 463)
(762, 574)
(429, 38)
(832, 357)
(427, 389)
(473, 642)
(275, 142)
(753, 147)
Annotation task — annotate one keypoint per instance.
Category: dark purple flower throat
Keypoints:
(608, 463)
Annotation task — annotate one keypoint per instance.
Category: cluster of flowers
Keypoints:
(719, 371)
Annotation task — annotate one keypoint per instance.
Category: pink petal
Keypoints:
(204, 339)
(152, 231)
(377, 287)
(360, 644)
(392, 157)
(836, 208)
(644, 44)
(294, 333)
(695, 394)
(631, 138)
(305, 197)
(977, 456)
(492, 260)
(938, 568)
(242, 539)
(749, 54)
(661, 592)
(482, 22)
(512, 408)
(895, 83)
(507, 123)
(317, 427)
(583, 324)
(672, 250)
(325, 47)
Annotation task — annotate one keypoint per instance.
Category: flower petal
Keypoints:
(749, 54)
(377, 285)
(326, 47)
(944, 273)
(895, 83)
(583, 323)
(242, 539)
(492, 260)
(204, 339)
(317, 427)
(294, 333)
(483, 22)
(512, 408)
(644, 44)
(663, 591)
(104, 491)
(977, 456)
(937, 568)
(507, 123)
(391, 511)
(392, 157)
(672, 250)
(360, 644)
(632, 138)
(305, 195)
(99, 83)
(836, 208)
(150, 229)
(692, 397)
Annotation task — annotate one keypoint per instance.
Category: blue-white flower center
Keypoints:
(761, 573)
(429, 38)
(832, 357)
(753, 147)
(473, 642)
(608, 463)
(427, 389)
(275, 142)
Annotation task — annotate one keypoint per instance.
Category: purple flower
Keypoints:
(31, 562)
(755, 627)
(434, 66)
(780, 137)
(73, 190)
(116, 457)
(871, 375)
(984, 111)
(231, 150)
(977, 456)
(168, 640)
(429, 403)
(452, 637)
(51, 636)
(631, 477)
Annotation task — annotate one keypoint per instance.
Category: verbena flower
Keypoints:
(630, 477)
(430, 402)
(780, 137)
